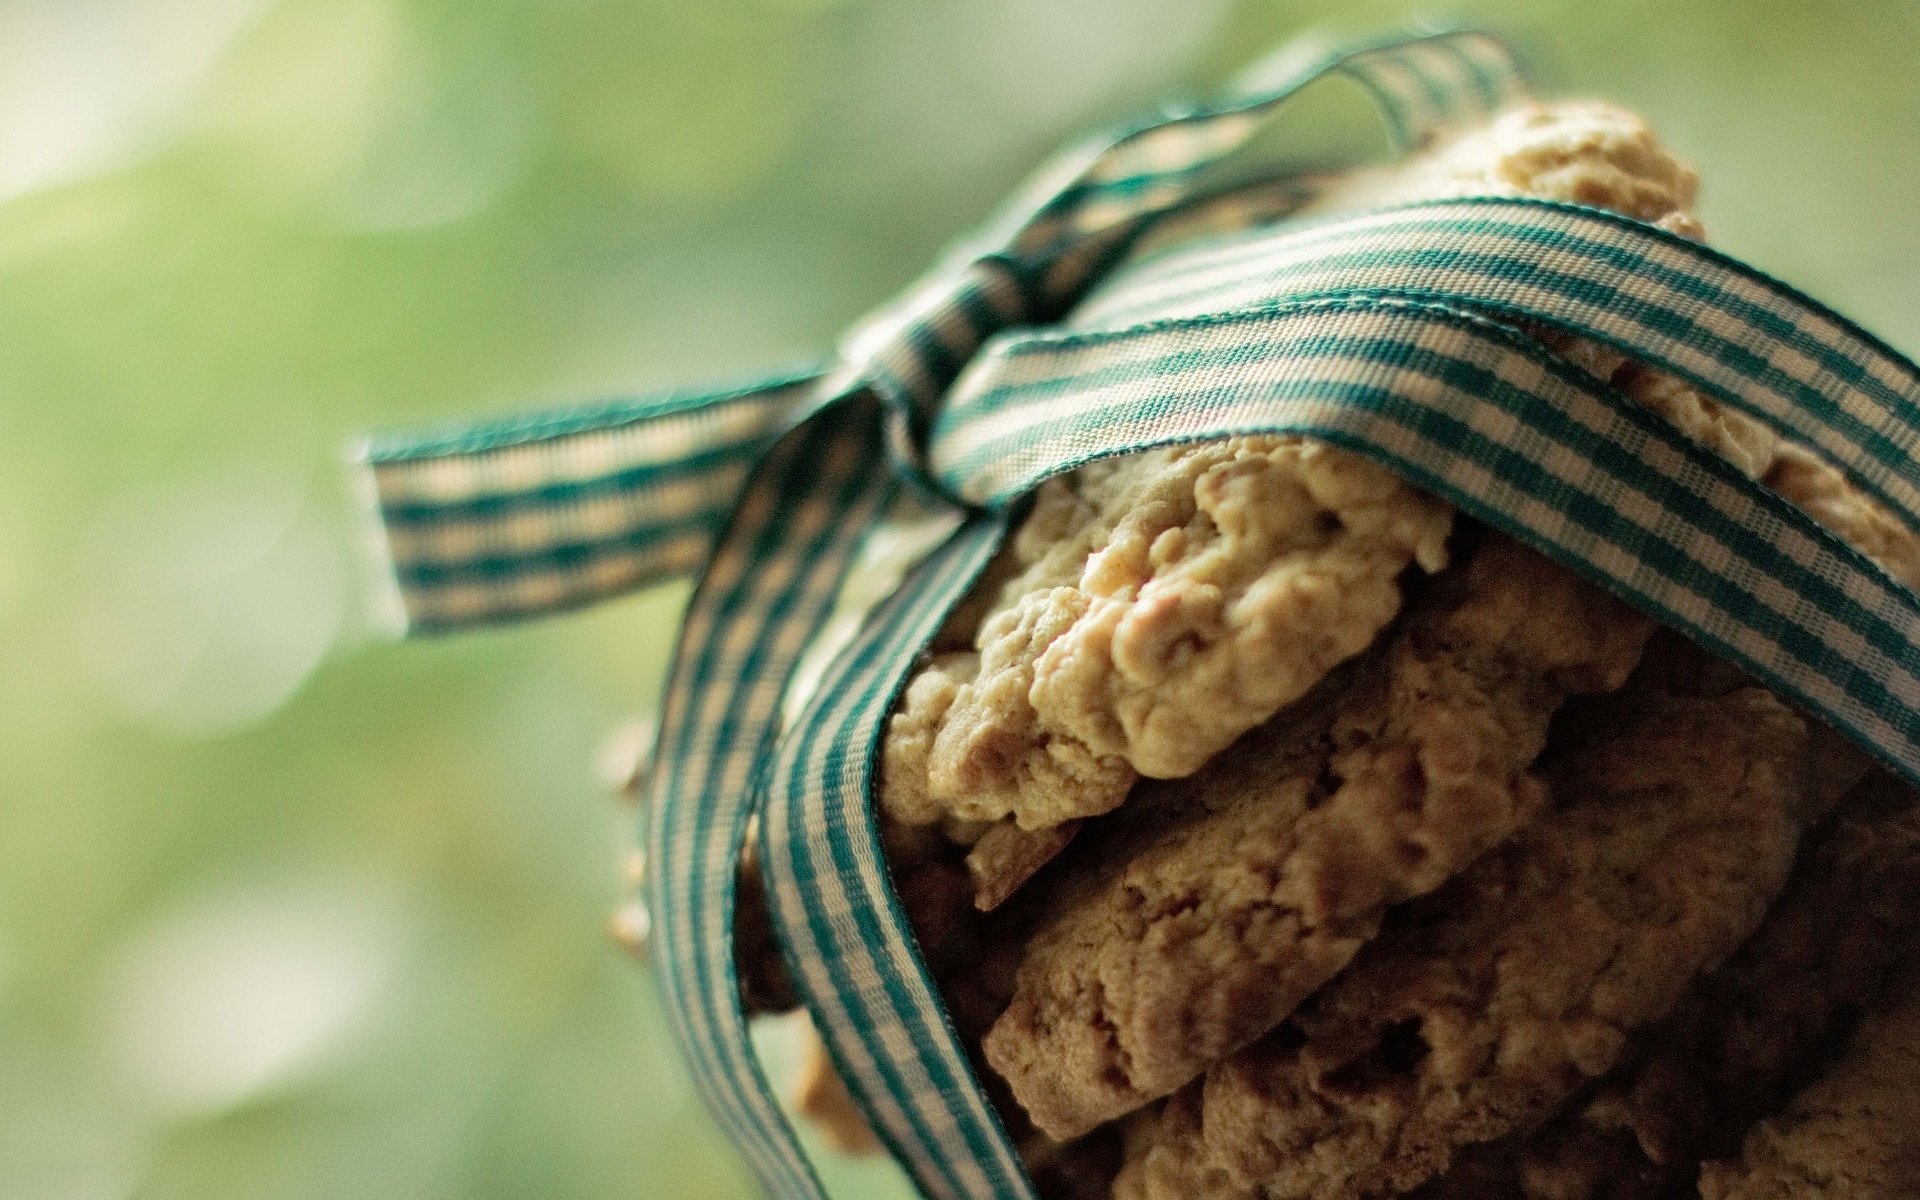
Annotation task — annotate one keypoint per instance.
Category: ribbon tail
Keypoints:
(497, 521)
(774, 578)
(845, 932)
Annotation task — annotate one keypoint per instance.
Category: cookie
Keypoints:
(1487, 1005)
(1166, 602)
(1854, 1134)
(1743, 1039)
(1006, 856)
(1231, 895)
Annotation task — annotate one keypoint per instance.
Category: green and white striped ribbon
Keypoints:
(1394, 334)
(845, 936)
(1746, 339)
(1479, 413)
(771, 582)
(536, 514)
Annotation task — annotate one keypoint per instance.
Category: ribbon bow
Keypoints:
(1047, 342)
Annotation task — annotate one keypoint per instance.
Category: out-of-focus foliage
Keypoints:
(289, 914)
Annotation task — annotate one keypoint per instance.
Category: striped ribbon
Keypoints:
(1746, 339)
(773, 578)
(1045, 344)
(537, 514)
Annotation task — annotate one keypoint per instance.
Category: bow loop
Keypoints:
(1032, 264)
(509, 519)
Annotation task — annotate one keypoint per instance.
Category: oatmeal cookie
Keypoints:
(1734, 1048)
(1855, 1133)
(1489, 1004)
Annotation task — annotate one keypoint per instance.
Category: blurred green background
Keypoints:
(287, 912)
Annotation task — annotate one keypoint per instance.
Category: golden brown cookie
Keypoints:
(821, 1097)
(1489, 1004)
(1852, 1135)
(1006, 856)
(1744, 1038)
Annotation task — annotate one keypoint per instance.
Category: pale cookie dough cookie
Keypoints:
(1860, 520)
(1170, 601)
(1744, 1038)
(1233, 894)
(1488, 1005)
(1855, 1133)
(1577, 151)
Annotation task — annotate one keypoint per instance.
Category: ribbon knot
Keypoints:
(909, 353)
(1400, 334)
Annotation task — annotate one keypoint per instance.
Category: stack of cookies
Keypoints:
(1277, 832)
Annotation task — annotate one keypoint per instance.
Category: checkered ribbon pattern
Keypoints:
(1056, 337)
